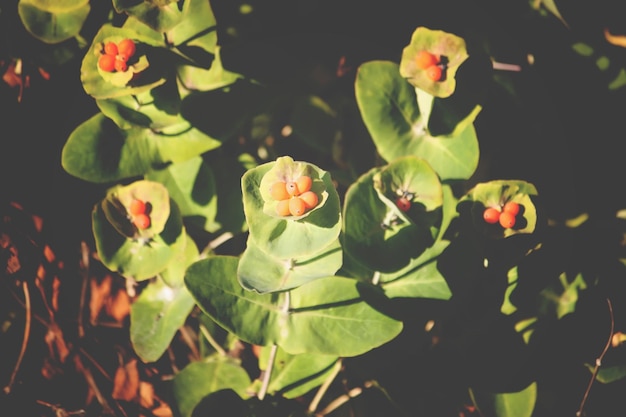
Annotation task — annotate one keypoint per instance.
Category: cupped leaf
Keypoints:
(139, 258)
(53, 22)
(295, 375)
(327, 316)
(496, 194)
(197, 37)
(290, 236)
(507, 404)
(98, 151)
(192, 185)
(450, 49)
(196, 78)
(263, 273)
(199, 379)
(374, 232)
(388, 105)
(147, 68)
(155, 317)
(158, 15)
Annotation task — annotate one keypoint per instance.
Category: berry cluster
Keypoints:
(431, 63)
(506, 216)
(115, 56)
(139, 214)
(295, 197)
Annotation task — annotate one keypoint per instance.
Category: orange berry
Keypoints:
(120, 65)
(142, 221)
(282, 208)
(507, 220)
(297, 206)
(491, 215)
(425, 59)
(434, 72)
(126, 48)
(310, 199)
(511, 207)
(278, 191)
(403, 203)
(110, 48)
(304, 184)
(137, 207)
(106, 63)
(292, 188)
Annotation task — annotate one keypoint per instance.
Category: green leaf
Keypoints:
(291, 236)
(53, 22)
(155, 317)
(98, 151)
(158, 15)
(199, 379)
(138, 258)
(509, 404)
(174, 273)
(201, 79)
(327, 316)
(315, 122)
(608, 374)
(561, 299)
(420, 279)
(263, 273)
(375, 232)
(296, 375)
(191, 184)
(388, 105)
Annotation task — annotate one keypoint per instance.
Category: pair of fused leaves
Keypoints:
(285, 252)
(53, 22)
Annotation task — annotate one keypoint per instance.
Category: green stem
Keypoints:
(212, 341)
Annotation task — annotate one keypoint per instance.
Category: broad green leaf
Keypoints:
(197, 37)
(420, 279)
(158, 15)
(195, 78)
(139, 258)
(327, 316)
(191, 184)
(608, 374)
(374, 232)
(155, 317)
(508, 404)
(98, 151)
(199, 379)
(291, 236)
(53, 22)
(174, 274)
(296, 375)
(262, 272)
(388, 105)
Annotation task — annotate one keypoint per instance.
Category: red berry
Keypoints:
(425, 59)
(296, 206)
(278, 191)
(304, 184)
(120, 65)
(142, 221)
(491, 215)
(106, 63)
(126, 48)
(511, 207)
(507, 220)
(292, 188)
(403, 203)
(137, 207)
(282, 208)
(310, 199)
(110, 48)
(434, 72)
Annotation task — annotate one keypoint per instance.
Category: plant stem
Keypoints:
(8, 387)
(324, 387)
(212, 341)
(267, 374)
(596, 369)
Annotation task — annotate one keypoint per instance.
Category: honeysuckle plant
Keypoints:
(332, 248)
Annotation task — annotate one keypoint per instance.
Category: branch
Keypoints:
(8, 387)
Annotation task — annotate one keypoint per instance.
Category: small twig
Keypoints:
(506, 67)
(341, 400)
(324, 387)
(9, 386)
(596, 368)
(267, 374)
(224, 237)
(84, 269)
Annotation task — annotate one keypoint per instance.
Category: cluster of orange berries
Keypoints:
(506, 216)
(295, 197)
(139, 214)
(431, 63)
(115, 56)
